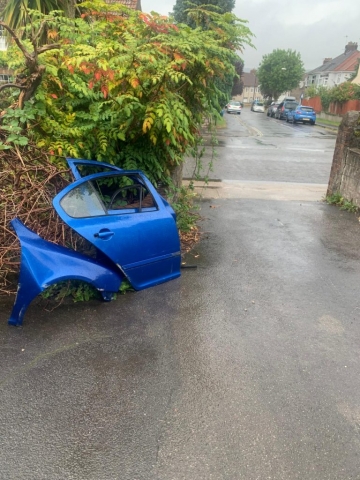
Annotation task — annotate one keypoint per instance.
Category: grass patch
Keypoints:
(331, 123)
(221, 123)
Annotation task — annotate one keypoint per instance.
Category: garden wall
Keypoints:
(345, 170)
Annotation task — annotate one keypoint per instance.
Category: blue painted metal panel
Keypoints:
(145, 245)
(140, 241)
(75, 162)
(44, 263)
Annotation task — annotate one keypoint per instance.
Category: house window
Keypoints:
(324, 80)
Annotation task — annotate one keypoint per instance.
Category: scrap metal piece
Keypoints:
(44, 263)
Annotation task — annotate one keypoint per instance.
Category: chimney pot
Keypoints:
(351, 47)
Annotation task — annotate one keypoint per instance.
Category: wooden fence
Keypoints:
(335, 108)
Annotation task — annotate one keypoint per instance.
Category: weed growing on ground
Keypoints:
(343, 203)
(182, 201)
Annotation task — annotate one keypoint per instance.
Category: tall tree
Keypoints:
(238, 84)
(279, 72)
(16, 12)
(181, 6)
(133, 88)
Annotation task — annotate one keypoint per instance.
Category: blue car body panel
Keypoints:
(43, 263)
(302, 113)
(74, 163)
(138, 240)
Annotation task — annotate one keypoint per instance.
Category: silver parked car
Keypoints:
(272, 109)
(258, 107)
(233, 107)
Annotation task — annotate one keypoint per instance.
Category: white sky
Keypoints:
(314, 28)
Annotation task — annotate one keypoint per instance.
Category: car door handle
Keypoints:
(104, 234)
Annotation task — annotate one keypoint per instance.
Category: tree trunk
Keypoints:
(176, 175)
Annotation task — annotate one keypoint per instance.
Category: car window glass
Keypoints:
(82, 201)
(307, 109)
(290, 105)
(109, 195)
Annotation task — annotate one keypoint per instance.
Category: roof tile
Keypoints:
(134, 4)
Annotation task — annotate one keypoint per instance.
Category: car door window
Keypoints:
(82, 202)
(108, 195)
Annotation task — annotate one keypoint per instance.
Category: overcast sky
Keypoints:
(315, 28)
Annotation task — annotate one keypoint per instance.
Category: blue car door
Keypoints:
(81, 168)
(125, 218)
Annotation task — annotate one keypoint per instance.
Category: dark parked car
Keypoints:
(272, 109)
(303, 114)
(283, 108)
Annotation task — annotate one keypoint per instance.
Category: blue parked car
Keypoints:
(303, 114)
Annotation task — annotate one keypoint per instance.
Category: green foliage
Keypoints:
(182, 201)
(238, 84)
(15, 13)
(344, 92)
(129, 89)
(4, 61)
(77, 290)
(181, 9)
(279, 72)
(311, 91)
(325, 97)
(339, 200)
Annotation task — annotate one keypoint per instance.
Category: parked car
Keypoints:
(303, 114)
(283, 108)
(258, 107)
(254, 102)
(272, 109)
(233, 107)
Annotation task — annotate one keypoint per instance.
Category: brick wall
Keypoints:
(345, 170)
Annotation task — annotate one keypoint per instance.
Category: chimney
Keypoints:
(351, 47)
(327, 60)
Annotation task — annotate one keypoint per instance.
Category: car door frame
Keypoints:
(144, 272)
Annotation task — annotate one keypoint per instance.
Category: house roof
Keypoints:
(346, 62)
(249, 79)
(134, 4)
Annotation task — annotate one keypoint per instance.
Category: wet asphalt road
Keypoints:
(245, 368)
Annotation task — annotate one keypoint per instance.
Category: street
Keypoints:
(246, 367)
